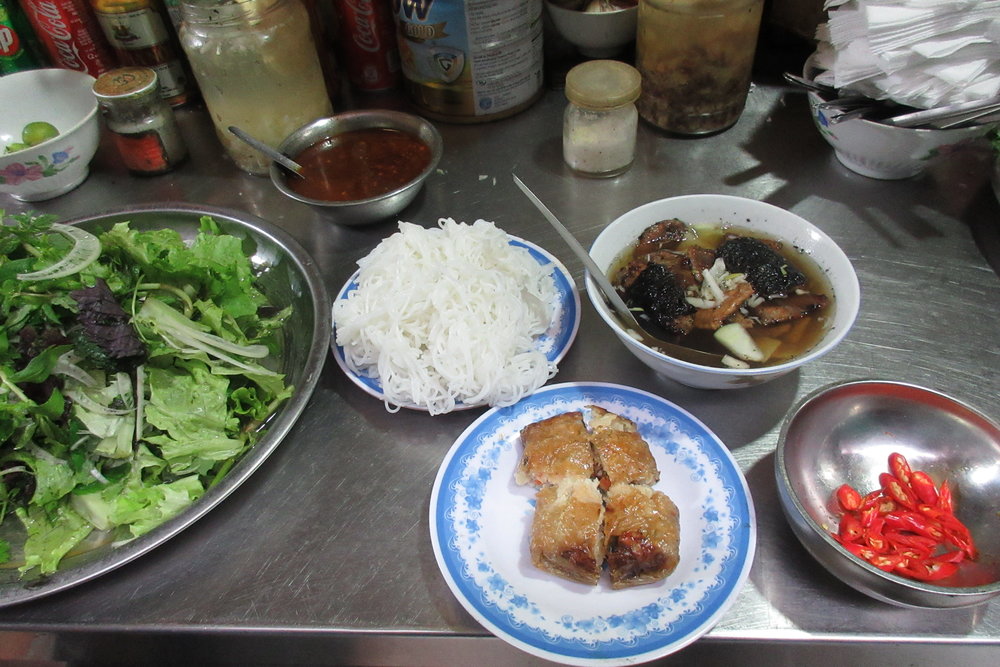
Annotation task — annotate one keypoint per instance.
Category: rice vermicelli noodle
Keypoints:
(446, 315)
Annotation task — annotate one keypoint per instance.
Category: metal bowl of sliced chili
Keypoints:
(892, 487)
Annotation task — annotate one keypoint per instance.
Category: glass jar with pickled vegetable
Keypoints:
(257, 66)
(696, 58)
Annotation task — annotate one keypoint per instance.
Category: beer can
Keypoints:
(70, 35)
(368, 43)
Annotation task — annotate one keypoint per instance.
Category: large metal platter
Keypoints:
(287, 275)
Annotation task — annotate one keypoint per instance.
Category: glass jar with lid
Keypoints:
(141, 122)
(696, 58)
(257, 66)
(601, 121)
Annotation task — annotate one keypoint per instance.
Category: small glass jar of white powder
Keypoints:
(600, 122)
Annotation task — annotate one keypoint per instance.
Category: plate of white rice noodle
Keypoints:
(454, 317)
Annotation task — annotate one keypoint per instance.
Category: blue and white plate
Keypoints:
(480, 522)
(554, 343)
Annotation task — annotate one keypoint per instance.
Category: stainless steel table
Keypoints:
(323, 556)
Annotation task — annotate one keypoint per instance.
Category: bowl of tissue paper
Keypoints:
(905, 56)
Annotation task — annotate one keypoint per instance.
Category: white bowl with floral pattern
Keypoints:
(877, 150)
(64, 98)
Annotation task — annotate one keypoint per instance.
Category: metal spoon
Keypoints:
(612, 296)
(807, 84)
(947, 112)
(282, 159)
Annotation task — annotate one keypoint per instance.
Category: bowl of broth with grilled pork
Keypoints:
(757, 287)
(359, 167)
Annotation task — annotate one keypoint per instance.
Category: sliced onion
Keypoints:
(86, 248)
(90, 404)
(66, 365)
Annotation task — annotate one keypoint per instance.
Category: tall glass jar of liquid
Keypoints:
(695, 57)
(256, 64)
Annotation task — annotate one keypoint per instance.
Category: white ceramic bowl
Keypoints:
(884, 151)
(595, 34)
(64, 98)
(750, 214)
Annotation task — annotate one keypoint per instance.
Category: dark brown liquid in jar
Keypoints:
(359, 165)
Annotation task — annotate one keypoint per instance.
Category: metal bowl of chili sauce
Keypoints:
(359, 167)
(846, 434)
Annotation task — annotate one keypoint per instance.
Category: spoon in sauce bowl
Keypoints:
(282, 159)
(613, 298)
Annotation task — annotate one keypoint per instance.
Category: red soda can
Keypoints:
(368, 43)
(70, 34)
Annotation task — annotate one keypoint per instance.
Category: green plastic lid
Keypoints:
(603, 84)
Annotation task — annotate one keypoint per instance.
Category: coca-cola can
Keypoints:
(70, 35)
(368, 43)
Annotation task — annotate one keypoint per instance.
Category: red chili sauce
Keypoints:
(359, 164)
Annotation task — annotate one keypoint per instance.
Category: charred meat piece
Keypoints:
(713, 318)
(789, 308)
(768, 272)
(700, 259)
(663, 235)
(679, 264)
(661, 297)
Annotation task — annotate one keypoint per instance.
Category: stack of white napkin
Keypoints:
(921, 53)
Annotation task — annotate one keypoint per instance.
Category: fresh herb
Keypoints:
(132, 378)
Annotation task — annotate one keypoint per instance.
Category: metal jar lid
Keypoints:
(125, 83)
(603, 84)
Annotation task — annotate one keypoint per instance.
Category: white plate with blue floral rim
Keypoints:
(480, 522)
(554, 343)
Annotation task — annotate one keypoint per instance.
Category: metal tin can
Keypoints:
(70, 35)
(470, 61)
(140, 120)
(138, 32)
(368, 44)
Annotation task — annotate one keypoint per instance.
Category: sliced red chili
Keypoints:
(915, 569)
(899, 467)
(901, 525)
(897, 490)
(850, 529)
(864, 553)
(944, 501)
(956, 556)
(871, 499)
(936, 570)
(848, 498)
(909, 540)
(873, 535)
(923, 486)
(887, 562)
(914, 522)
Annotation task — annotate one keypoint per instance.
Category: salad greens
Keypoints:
(132, 377)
